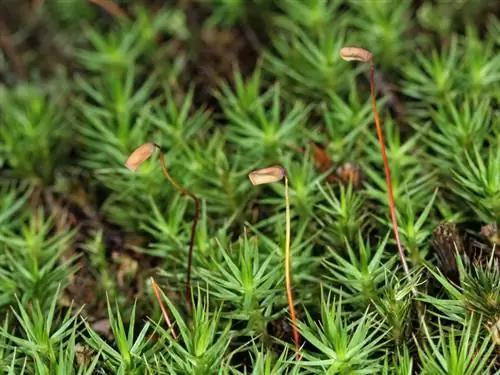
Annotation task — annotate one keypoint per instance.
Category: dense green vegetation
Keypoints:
(94, 256)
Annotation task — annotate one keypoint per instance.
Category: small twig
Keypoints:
(8, 46)
(156, 290)
(112, 8)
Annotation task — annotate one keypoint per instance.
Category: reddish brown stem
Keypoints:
(288, 275)
(111, 8)
(193, 226)
(392, 206)
(156, 290)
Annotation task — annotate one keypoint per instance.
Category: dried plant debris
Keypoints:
(491, 232)
(448, 244)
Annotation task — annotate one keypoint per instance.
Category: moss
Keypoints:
(224, 88)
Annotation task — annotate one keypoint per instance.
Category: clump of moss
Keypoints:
(95, 258)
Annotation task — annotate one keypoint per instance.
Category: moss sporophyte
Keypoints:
(271, 175)
(139, 156)
(362, 55)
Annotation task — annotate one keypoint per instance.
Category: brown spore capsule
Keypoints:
(140, 155)
(267, 175)
(355, 54)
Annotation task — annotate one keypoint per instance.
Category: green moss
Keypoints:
(227, 87)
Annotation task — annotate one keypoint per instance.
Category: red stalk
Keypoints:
(392, 206)
(156, 290)
(193, 226)
(363, 55)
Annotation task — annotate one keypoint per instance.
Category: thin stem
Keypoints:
(288, 274)
(112, 8)
(392, 206)
(156, 290)
(193, 225)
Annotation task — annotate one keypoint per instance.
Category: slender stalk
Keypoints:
(288, 277)
(363, 55)
(392, 206)
(135, 159)
(270, 175)
(193, 225)
(112, 8)
(360, 54)
(156, 290)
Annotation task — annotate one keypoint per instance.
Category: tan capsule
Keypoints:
(267, 175)
(140, 155)
(355, 54)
